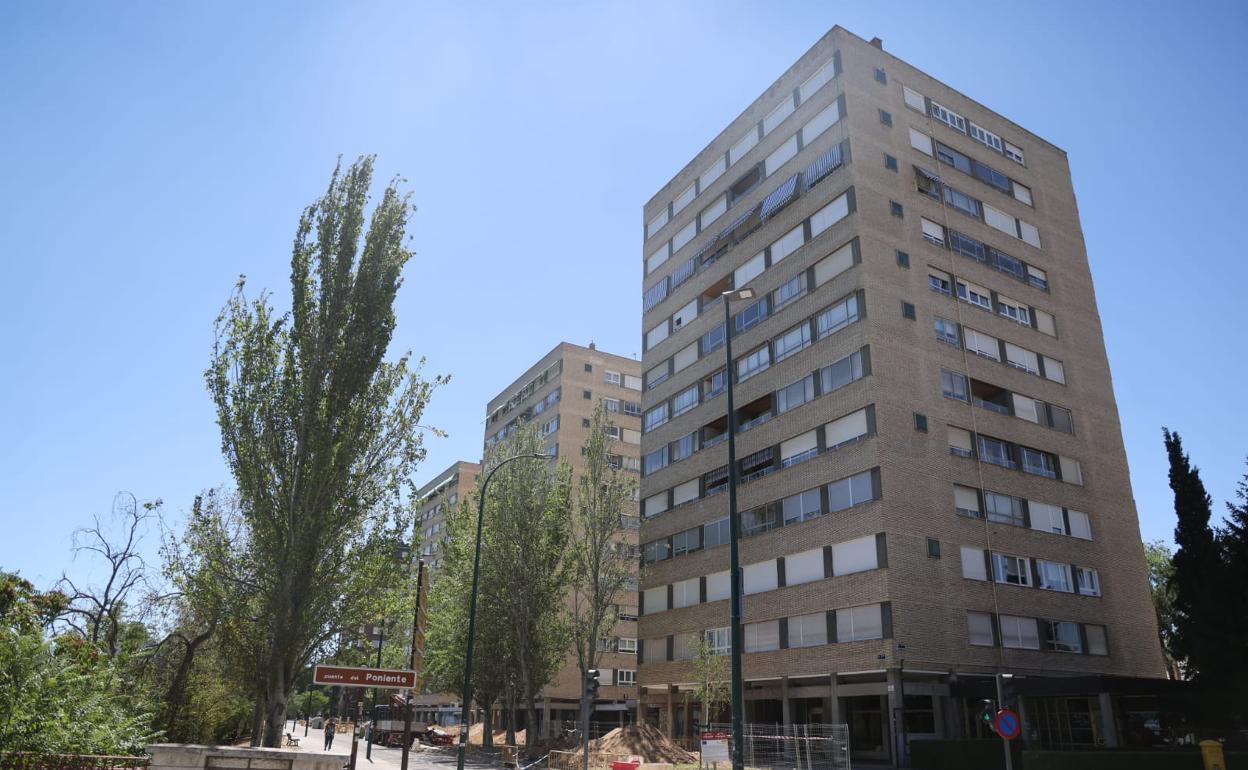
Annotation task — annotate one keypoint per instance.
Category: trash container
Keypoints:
(1211, 753)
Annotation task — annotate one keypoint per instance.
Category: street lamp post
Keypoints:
(372, 727)
(472, 611)
(734, 534)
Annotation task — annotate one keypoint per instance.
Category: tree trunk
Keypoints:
(532, 731)
(509, 703)
(487, 725)
(257, 721)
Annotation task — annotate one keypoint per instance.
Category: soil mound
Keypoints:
(644, 741)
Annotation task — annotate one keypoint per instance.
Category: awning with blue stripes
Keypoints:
(780, 197)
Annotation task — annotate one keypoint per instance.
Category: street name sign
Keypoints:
(348, 676)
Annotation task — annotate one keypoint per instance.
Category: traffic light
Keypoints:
(591, 683)
(987, 713)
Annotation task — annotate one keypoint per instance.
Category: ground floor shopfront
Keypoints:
(886, 712)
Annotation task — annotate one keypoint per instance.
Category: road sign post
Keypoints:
(1007, 724)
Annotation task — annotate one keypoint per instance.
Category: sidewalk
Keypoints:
(419, 758)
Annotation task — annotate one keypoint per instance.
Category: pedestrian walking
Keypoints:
(331, 727)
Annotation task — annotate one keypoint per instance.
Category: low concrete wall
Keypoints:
(182, 756)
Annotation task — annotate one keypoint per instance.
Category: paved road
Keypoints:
(420, 758)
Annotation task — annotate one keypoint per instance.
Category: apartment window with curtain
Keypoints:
(857, 623)
(762, 637)
(1011, 570)
(808, 630)
(1054, 576)
(1088, 581)
(1019, 633)
(1062, 636)
(979, 629)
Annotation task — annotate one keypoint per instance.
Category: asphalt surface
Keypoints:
(420, 757)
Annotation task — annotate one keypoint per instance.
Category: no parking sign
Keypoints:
(1007, 724)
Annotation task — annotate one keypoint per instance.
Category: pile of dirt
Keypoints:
(644, 741)
(477, 732)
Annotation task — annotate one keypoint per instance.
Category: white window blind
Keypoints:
(685, 357)
(1029, 233)
(759, 577)
(686, 593)
(713, 211)
(960, 439)
(834, 264)
(1019, 633)
(685, 315)
(1072, 472)
(749, 271)
(1024, 406)
(1046, 518)
(933, 231)
(921, 142)
(1080, 526)
(717, 586)
(859, 623)
(1054, 370)
(761, 637)
(1021, 358)
(966, 499)
(781, 155)
(656, 335)
(684, 235)
(654, 225)
(1022, 193)
(1000, 220)
(857, 555)
(803, 567)
(1054, 576)
(1014, 153)
(979, 629)
(654, 600)
(829, 215)
(777, 116)
(629, 436)
(683, 493)
(808, 630)
(659, 256)
(973, 566)
(848, 428)
(798, 444)
(787, 244)
(717, 169)
(743, 145)
(684, 199)
(816, 81)
(655, 504)
(914, 99)
(981, 344)
(1096, 640)
(1044, 322)
(821, 122)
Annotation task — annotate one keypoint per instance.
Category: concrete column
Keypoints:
(785, 708)
(1109, 725)
(668, 714)
(938, 715)
(833, 713)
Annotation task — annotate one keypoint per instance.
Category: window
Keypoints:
(759, 577)
(947, 332)
(890, 162)
(714, 385)
(841, 373)
(588, 395)
(933, 548)
(655, 417)
(685, 315)
(684, 446)
(966, 501)
(626, 643)
(857, 555)
(751, 315)
(962, 202)
(1021, 358)
(683, 236)
(1054, 576)
(1080, 526)
(799, 449)
(631, 407)
(684, 199)
(808, 630)
(846, 430)
(1022, 193)
(948, 117)
(982, 344)
(1011, 570)
(654, 650)
(753, 363)
(886, 118)
(1097, 644)
(632, 382)
(1046, 518)
(717, 169)
(790, 290)
(903, 259)
(715, 533)
(685, 357)
(967, 246)
(684, 493)
(657, 374)
(960, 442)
(654, 505)
(781, 155)
(743, 145)
(787, 244)
(777, 116)
(932, 232)
(973, 564)
(1014, 153)
(953, 385)
(921, 142)
(801, 507)
(829, 215)
(974, 294)
(804, 567)
(686, 593)
(655, 461)
(920, 422)
(793, 340)
(852, 491)
(816, 81)
(1019, 633)
(650, 553)
(837, 317)
(759, 520)
(984, 136)
(753, 268)
(654, 225)
(761, 637)
(1062, 636)
(859, 623)
(1088, 580)
(907, 310)
(796, 394)
(834, 264)
(896, 209)
(979, 629)
(713, 339)
(880, 77)
(1004, 509)
(1038, 462)
(612, 378)
(821, 122)
(951, 157)
(990, 176)
(914, 99)
(719, 639)
(1013, 310)
(685, 400)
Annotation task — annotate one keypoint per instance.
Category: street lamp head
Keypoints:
(739, 294)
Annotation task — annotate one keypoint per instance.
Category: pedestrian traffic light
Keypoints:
(591, 683)
(987, 712)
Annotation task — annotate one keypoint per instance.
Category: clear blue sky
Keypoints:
(154, 151)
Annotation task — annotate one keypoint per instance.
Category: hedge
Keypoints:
(1114, 759)
(976, 754)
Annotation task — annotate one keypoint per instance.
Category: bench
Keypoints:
(291, 741)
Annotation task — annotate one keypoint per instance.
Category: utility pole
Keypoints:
(372, 726)
(1009, 758)
(415, 663)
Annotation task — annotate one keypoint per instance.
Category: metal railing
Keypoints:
(793, 747)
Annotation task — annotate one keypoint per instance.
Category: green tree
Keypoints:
(1199, 636)
(320, 433)
(1234, 546)
(601, 562)
(710, 672)
(1160, 572)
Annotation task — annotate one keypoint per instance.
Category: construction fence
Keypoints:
(793, 747)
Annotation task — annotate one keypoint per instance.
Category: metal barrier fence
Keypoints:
(571, 727)
(571, 760)
(32, 761)
(793, 747)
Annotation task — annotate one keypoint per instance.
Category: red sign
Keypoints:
(714, 736)
(346, 676)
(1007, 724)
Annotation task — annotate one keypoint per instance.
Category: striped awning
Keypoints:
(780, 197)
(740, 220)
(927, 174)
(825, 164)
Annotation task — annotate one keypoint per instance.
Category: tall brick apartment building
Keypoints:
(559, 394)
(934, 486)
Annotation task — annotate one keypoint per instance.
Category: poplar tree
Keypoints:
(320, 432)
